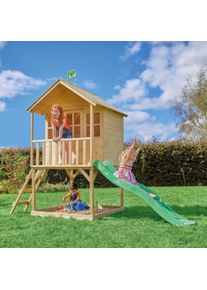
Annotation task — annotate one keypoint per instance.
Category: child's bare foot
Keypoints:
(153, 195)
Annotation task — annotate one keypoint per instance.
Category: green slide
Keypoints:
(157, 204)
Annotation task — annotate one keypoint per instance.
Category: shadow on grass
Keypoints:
(137, 212)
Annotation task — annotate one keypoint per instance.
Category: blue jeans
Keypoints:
(66, 133)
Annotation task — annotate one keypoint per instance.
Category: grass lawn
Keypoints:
(137, 226)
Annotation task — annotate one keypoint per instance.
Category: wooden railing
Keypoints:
(66, 152)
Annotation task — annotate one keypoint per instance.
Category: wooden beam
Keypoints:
(31, 138)
(46, 128)
(122, 197)
(33, 190)
(84, 152)
(28, 177)
(85, 174)
(91, 189)
(91, 133)
(77, 152)
(38, 178)
(37, 154)
(76, 174)
(95, 173)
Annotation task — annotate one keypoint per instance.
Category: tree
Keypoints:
(192, 107)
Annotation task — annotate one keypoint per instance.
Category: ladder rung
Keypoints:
(27, 189)
(23, 202)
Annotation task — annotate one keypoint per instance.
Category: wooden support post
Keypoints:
(31, 138)
(91, 189)
(50, 153)
(62, 144)
(91, 133)
(33, 191)
(69, 152)
(46, 128)
(122, 197)
(95, 173)
(84, 152)
(43, 153)
(77, 151)
(56, 153)
(37, 153)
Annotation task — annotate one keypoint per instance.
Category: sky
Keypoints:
(143, 79)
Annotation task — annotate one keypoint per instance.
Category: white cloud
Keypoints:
(2, 106)
(142, 124)
(132, 91)
(166, 69)
(2, 44)
(14, 83)
(131, 49)
(90, 84)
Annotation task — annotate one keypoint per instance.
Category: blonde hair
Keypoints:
(59, 107)
(124, 156)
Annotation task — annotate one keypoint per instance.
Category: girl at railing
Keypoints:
(60, 126)
(74, 196)
(127, 158)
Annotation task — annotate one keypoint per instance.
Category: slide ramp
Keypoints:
(157, 204)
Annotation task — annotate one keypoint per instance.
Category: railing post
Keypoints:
(31, 138)
(37, 153)
(91, 133)
(91, 183)
(84, 152)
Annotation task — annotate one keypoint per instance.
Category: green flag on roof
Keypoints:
(71, 74)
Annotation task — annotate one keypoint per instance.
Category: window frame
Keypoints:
(95, 124)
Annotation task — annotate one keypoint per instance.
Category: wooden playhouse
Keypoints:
(97, 133)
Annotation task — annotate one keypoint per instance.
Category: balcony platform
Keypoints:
(58, 211)
(62, 166)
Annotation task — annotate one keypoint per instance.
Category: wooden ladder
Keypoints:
(37, 180)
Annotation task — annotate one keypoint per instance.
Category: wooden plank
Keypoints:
(50, 153)
(61, 166)
(59, 214)
(33, 190)
(91, 190)
(95, 173)
(91, 133)
(42, 97)
(85, 215)
(56, 153)
(84, 152)
(31, 138)
(46, 128)
(121, 197)
(70, 152)
(77, 152)
(37, 154)
(43, 153)
(107, 212)
(63, 151)
(39, 179)
(65, 139)
(28, 189)
(69, 174)
(23, 202)
(85, 174)
(21, 191)
(76, 174)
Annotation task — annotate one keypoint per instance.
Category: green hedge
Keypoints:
(171, 163)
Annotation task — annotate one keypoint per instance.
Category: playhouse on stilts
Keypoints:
(97, 134)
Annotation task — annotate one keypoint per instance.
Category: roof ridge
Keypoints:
(101, 99)
(80, 88)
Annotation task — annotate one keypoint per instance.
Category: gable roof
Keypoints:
(84, 94)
